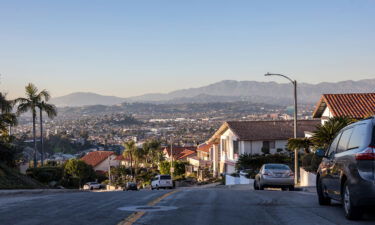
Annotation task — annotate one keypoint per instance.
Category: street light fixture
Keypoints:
(294, 82)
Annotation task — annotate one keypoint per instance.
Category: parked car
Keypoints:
(130, 186)
(92, 186)
(274, 176)
(161, 181)
(346, 172)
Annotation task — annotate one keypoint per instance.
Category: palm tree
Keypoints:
(324, 134)
(51, 112)
(130, 149)
(30, 103)
(298, 143)
(7, 118)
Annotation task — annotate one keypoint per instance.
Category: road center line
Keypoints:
(137, 215)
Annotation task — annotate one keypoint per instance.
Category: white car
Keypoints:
(91, 186)
(161, 181)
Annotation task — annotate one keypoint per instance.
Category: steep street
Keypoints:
(219, 205)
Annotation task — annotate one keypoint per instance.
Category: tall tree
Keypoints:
(30, 103)
(7, 118)
(129, 151)
(51, 112)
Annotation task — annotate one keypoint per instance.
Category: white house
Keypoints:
(101, 160)
(235, 138)
(353, 105)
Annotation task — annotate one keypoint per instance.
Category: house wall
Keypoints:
(103, 166)
(214, 156)
(228, 158)
(326, 115)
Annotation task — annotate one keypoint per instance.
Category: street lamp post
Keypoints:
(294, 82)
(171, 166)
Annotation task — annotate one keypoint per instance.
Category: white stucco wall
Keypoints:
(230, 137)
(105, 164)
(326, 114)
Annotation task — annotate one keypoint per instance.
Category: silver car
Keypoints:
(274, 176)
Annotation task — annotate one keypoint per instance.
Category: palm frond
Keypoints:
(44, 94)
(31, 90)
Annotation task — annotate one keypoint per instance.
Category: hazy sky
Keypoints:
(127, 48)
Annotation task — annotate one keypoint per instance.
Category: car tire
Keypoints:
(91, 188)
(260, 186)
(323, 200)
(352, 212)
(256, 185)
(291, 188)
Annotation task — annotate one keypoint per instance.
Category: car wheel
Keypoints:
(260, 186)
(323, 200)
(352, 212)
(91, 188)
(256, 185)
(291, 188)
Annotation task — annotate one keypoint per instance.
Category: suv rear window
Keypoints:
(165, 177)
(358, 137)
(276, 167)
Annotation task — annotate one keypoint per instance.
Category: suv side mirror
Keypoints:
(320, 153)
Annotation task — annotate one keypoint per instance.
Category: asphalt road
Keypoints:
(188, 206)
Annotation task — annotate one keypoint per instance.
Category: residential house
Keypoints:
(235, 138)
(354, 105)
(179, 153)
(123, 161)
(101, 160)
(201, 162)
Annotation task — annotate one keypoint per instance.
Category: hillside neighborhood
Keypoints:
(187, 112)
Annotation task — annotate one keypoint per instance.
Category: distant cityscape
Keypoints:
(76, 130)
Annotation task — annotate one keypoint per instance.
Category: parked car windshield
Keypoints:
(165, 177)
(277, 167)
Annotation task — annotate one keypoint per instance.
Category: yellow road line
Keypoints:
(137, 215)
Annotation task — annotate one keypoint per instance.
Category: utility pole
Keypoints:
(109, 170)
(294, 82)
(171, 167)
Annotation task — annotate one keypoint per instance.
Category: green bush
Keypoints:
(179, 167)
(311, 162)
(46, 174)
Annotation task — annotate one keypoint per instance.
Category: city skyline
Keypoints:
(130, 48)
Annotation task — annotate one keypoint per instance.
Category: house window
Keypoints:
(235, 147)
(272, 144)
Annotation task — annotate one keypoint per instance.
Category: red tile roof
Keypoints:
(121, 158)
(265, 130)
(204, 147)
(180, 152)
(356, 105)
(95, 158)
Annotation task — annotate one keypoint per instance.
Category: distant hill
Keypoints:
(85, 99)
(228, 91)
(266, 92)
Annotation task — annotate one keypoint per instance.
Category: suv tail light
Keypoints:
(367, 154)
(291, 174)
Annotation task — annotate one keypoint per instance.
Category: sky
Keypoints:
(128, 48)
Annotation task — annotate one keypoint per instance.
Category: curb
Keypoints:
(38, 191)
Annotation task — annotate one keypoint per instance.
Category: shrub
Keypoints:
(46, 174)
(311, 162)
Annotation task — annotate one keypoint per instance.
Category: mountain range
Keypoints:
(228, 91)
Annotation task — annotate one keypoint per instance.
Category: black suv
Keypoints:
(347, 171)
